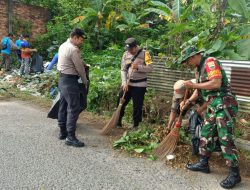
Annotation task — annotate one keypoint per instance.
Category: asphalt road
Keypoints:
(31, 157)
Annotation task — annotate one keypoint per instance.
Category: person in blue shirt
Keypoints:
(18, 51)
(7, 45)
(53, 62)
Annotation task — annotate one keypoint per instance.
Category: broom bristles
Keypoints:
(168, 145)
(112, 122)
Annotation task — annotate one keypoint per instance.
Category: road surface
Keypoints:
(31, 157)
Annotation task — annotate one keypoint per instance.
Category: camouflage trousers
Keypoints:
(6, 61)
(219, 123)
(25, 66)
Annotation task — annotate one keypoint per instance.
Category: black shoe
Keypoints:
(232, 179)
(73, 141)
(136, 125)
(119, 125)
(201, 166)
(62, 135)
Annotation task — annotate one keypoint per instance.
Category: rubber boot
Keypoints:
(63, 133)
(201, 166)
(232, 179)
(71, 140)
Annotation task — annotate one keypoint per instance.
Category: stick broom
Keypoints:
(169, 143)
(114, 119)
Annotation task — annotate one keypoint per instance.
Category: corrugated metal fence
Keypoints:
(162, 79)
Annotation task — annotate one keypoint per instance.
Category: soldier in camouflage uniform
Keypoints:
(135, 65)
(220, 113)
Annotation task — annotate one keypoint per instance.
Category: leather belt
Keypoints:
(139, 80)
(69, 76)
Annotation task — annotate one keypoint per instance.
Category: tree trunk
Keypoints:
(10, 15)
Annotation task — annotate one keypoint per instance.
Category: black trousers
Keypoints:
(69, 107)
(137, 94)
(18, 53)
(83, 97)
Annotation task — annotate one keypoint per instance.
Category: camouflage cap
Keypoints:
(130, 43)
(188, 52)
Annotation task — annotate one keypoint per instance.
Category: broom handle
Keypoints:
(124, 93)
(185, 99)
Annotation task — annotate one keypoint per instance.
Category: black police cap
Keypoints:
(130, 43)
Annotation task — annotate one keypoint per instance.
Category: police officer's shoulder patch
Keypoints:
(147, 58)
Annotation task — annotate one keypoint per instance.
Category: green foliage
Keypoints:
(104, 79)
(161, 26)
(206, 24)
(152, 157)
(244, 42)
(52, 5)
(177, 8)
(156, 107)
(238, 132)
(104, 87)
(48, 43)
(184, 137)
(162, 8)
(21, 26)
(140, 141)
(240, 6)
(99, 38)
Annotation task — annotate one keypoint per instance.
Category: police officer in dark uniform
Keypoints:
(71, 67)
(135, 65)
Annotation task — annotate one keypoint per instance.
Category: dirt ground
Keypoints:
(183, 152)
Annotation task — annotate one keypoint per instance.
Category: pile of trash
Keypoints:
(38, 84)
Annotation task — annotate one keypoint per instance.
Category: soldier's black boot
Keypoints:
(71, 140)
(63, 133)
(201, 166)
(232, 179)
